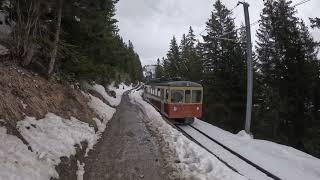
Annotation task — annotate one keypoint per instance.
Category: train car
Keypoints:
(180, 101)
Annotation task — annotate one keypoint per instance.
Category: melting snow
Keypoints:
(104, 112)
(53, 137)
(17, 162)
(119, 92)
(195, 162)
(283, 161)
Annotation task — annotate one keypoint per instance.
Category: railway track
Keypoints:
(229, 157)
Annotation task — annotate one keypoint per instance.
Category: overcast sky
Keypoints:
(151, 24)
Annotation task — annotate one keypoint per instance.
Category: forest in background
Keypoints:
(286, 102)
(70, 39)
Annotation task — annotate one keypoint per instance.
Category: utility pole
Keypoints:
(249, 67)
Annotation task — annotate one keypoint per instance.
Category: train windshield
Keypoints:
(177, 96)
(187, 96)
(196, 96)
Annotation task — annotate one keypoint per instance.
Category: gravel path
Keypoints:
(127, 150)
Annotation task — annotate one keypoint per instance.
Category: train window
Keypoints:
(158, 92)
(177, 96)
(167, 95)
(187, 96)
(196, 96)
(162, 94)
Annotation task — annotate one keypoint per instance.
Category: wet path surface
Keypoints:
(127, 150)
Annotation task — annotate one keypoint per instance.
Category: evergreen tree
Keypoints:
(315, 22)
(77, 39)
(95, 51)
(224, 69)
(286, 53)
(184, 58)
(159, 69)
(172, 62)
(193, 62)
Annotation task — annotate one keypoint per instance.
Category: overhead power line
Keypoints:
(300, 3)
(252, 24)
(234, 8)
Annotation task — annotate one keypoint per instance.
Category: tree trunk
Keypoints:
(56, 41)
(28, 59)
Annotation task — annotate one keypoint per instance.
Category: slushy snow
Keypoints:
(232, 160)
(119, 92)
(104, 112)
(195, 162)
(53, 137)
(17, 162)
(285, 162)
(50, 138)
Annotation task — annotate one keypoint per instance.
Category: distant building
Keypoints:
(149, 72)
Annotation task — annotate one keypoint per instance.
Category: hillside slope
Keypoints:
(24, 93)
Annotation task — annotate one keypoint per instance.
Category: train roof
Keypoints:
(177, 84)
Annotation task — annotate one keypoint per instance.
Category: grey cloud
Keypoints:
(150, 24)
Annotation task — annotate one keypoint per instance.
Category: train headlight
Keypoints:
(175, 109)
(198, 109)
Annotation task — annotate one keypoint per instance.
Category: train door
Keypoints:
(162, 100)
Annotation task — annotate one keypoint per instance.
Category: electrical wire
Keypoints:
(300, 3)
(252, 24)
(231, 10)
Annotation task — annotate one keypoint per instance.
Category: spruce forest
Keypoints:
(73, 40)
(286, 93)
(78, 40)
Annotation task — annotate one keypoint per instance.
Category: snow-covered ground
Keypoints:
(285, 162)
(19, 163)
(119, 92)
(241, 166)
(194, 161)
(51, 138)
(104, 112)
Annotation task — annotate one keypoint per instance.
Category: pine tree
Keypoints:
(184, 58)
(315, 22)
(286, 53)
(101, 54)
(172, 62)
(224, 68)
(194, 62)
(159, 70)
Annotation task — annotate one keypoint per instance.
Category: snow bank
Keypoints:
(195, 162)
(53, 137)
(17, 162)
(50, 138)
(283, 161)
(104, 112)
(119, 92)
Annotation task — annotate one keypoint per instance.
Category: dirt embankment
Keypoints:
(24, 93)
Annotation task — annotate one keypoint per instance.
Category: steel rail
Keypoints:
(237, 154)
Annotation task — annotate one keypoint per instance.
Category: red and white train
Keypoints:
(180, 101)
